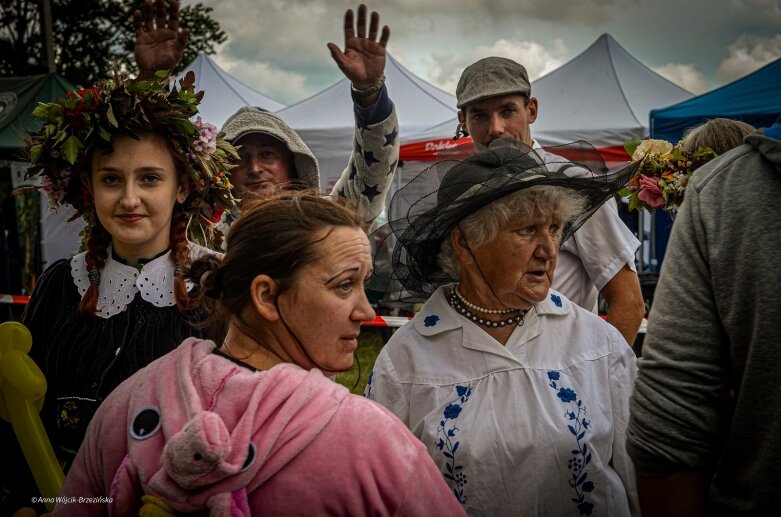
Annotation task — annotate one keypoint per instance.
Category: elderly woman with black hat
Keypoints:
(520, 395)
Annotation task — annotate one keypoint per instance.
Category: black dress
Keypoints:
(83, 358)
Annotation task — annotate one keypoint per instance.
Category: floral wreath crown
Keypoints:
(663, 174)
(72, 126)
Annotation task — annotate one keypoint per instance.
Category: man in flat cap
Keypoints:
(494, 101)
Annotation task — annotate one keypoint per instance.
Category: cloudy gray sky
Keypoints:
(279, 46)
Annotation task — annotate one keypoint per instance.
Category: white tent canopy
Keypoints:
(603, 96)
(224, 94)
(325, 121)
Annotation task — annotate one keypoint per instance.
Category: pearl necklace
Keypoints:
(517, 319)
(477, 307)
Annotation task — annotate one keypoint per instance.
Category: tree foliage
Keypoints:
(91, 37)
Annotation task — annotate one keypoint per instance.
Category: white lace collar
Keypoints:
(119, 283)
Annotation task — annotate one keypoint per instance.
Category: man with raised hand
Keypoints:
(272, 153)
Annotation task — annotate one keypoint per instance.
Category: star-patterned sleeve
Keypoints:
(369, 172)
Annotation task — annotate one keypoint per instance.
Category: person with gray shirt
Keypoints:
(703, 432)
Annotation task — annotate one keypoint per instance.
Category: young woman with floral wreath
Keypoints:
(127, 157)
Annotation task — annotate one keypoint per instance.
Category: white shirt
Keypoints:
(595, 253)
(535, 427)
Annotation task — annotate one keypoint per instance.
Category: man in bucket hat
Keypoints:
(271, 152)
(494, 101)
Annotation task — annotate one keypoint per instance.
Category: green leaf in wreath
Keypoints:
(71, 149)
(104, 134)
(40, 110)
(630, 145)
(110, 116)
(635, 203)
(35, 153)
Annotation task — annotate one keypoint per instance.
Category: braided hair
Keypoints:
(180, 253)
(99, 239)
(97, 253)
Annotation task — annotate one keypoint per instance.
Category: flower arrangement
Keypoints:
(663, 174)
(90, 117)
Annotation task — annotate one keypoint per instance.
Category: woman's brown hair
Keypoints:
(275, 236)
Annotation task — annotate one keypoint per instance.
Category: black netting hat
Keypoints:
(425, 210)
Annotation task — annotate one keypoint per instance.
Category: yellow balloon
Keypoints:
(22, 390)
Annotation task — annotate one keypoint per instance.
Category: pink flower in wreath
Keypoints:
(650, 193)
(207, 137)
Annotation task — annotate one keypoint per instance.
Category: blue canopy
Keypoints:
(755, 99)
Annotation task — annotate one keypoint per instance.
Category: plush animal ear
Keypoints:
(264, 292)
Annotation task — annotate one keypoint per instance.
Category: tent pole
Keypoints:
(48, 39)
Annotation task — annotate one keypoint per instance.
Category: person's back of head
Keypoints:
(720, 134)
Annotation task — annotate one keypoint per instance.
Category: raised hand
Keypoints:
(159, 42)
(363, 59)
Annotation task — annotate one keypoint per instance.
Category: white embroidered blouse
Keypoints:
(534, 427)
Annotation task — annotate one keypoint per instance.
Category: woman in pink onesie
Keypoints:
(249, 423)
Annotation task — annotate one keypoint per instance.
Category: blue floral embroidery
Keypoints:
(446, 443)
(368, 390)
(430, 321)
(556, 300)
(567, 395)
(581, 456)
(452, 411)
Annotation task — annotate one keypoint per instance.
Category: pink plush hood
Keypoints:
(203, 431)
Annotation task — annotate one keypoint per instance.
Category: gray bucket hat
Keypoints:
(489, 77)
(256, 120)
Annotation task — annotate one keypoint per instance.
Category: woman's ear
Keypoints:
(185, 184)
(460, 246)
(264, 292)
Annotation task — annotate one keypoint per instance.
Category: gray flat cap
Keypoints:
(489, 77)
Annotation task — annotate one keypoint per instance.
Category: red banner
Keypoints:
(439, 148)
(430, 150)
